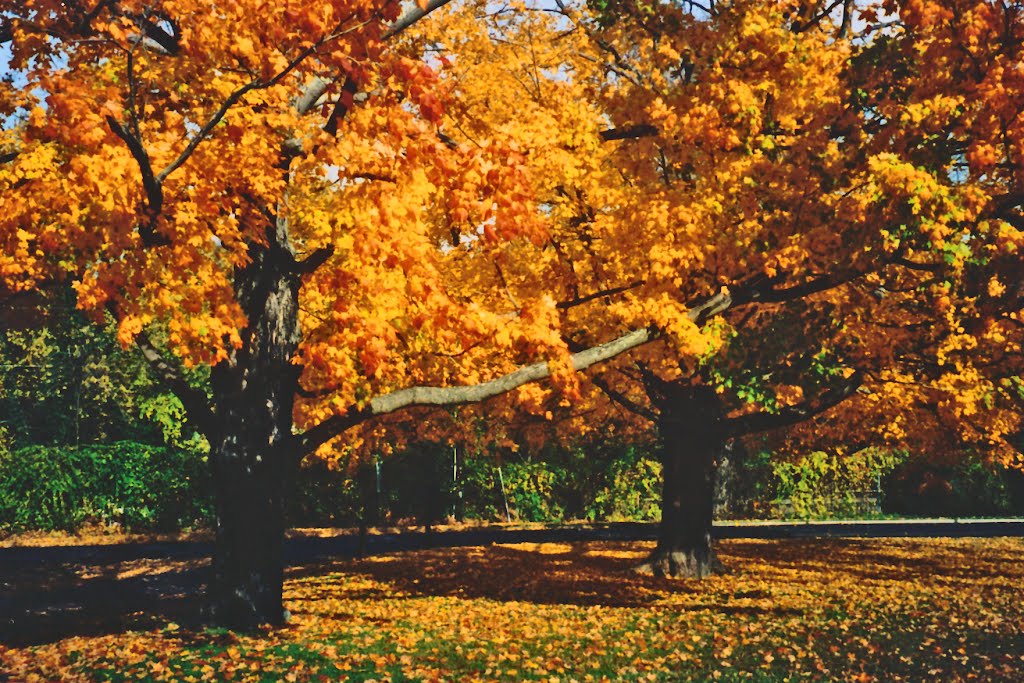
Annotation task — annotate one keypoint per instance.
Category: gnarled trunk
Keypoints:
(254, 393)
(690, 432)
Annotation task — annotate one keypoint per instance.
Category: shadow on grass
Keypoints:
(580, 574)
(552, 574)
(54, 601)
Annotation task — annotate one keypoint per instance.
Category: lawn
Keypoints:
(836, 610)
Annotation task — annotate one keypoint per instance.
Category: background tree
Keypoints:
(788, 167)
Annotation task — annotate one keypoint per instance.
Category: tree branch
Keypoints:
(623, 400)
(578, 301)
(197, 407)
(411, 15)
(314, 260)
(642, 130)
(313, 438)
(341, 107)
(225, 106)
(791, 415)
(151, 185)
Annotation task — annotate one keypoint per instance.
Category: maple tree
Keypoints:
(260, 189)
(801, 211)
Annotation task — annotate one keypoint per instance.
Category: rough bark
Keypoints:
(689, 427)
(254, 392)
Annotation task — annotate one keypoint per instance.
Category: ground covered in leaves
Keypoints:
(840, 610)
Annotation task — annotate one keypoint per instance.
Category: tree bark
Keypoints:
(254, 393)
(689, 428)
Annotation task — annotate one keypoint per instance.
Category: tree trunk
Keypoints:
(690, 431)
(254, 392)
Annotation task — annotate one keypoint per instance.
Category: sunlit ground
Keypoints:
(843, 610)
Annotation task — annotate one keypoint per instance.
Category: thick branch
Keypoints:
(712, 306)
(642, 130)
(913, 265)
(197, 407)
(151, 185)
(341, 107)
(623, 400)
(165, 40)
(154, 193)
(791, 415)
(461, 395)
(411, 15)
(314, 260)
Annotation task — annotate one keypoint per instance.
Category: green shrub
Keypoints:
(821, 485)
(530, 487)
(968, 488)
(138, 486)
(633, 491)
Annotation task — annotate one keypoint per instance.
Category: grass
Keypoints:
(838, 610)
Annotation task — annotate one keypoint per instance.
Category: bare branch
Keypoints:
(712, 306)
(642, 130)
(314, 260)
(341, 107)
(232, 99)
(623, 400)
(579, 301)
(151, 185)
(914, 265)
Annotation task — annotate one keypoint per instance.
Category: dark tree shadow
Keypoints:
(56, 594)
(54, 601)
(575, 574)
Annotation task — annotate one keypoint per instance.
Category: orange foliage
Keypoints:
(497, 186)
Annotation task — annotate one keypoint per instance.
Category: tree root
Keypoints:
(681, 564)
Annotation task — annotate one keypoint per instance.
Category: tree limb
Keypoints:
(411, 15)
(197, 407)
(623, 400)
(642, 130)
(151, 185)
(791, 415)
(314, 437)
(314, 260)
(578, 301)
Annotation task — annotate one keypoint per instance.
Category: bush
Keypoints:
(138, 486)
(633, 491)
(822, 485)
(965, 489)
